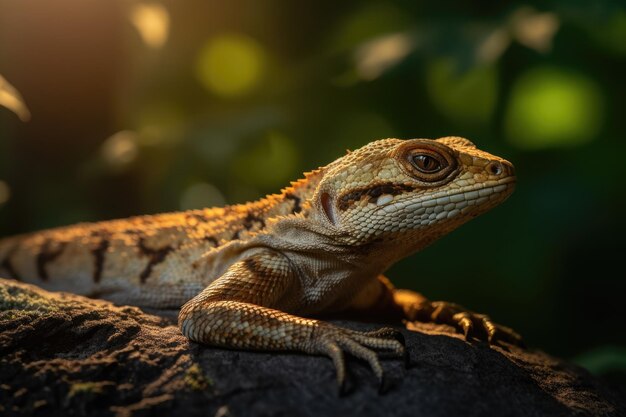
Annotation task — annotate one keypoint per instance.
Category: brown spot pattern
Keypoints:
(251, 222)
(251, 219)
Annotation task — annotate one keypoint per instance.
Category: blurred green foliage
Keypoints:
(551, 107)
(142, 107)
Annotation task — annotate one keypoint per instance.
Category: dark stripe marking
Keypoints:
(211, 240)
(8, 266)
(48, 254)
(372, 193)
(297, 207)
(99, 253)
(156, 256)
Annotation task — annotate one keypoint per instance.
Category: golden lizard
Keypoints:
(254, 276)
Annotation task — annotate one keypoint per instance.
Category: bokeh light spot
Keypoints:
(201, 195)
(464, 97)
(119, 150)
(152, 21)
(231, 65)
(269, 163)
(5, 192)
(552, 107)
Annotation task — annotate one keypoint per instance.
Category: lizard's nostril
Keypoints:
(495, 168)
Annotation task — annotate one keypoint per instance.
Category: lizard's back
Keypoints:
(154, 256)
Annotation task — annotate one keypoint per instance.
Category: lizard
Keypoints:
(262, 275)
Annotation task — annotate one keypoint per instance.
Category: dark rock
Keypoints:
(62, 354)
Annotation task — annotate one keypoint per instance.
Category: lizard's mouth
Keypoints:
(477, 195)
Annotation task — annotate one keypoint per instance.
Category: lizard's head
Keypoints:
(407, 193)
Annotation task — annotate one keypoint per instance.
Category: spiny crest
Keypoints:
(310, 177)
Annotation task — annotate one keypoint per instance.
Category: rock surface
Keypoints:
(62, 354)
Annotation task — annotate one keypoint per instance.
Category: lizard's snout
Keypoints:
(500, 169)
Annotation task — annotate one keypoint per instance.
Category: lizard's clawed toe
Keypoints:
(495, 333)
(472, 325)
(464, 322)
(508, 335)
(333, 341)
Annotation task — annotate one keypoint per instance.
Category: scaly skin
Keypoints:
(254, 276)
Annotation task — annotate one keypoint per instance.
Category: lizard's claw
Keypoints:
(472, 324)
(333, 341)
(464, 321)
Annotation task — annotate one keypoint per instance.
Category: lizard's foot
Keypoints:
(333, 341)
(467, 322)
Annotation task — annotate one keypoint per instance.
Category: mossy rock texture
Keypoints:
(64, 355)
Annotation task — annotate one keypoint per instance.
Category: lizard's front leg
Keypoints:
(246, 308)
(412, 306)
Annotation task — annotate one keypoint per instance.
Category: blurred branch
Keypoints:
(12, 100)
(375, 57)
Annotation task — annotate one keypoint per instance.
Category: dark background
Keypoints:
(144, 107)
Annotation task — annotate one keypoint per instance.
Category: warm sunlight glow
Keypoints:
(152, 21)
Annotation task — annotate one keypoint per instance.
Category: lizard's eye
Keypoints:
(428, 163)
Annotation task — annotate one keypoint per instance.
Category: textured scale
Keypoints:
(255, 276)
